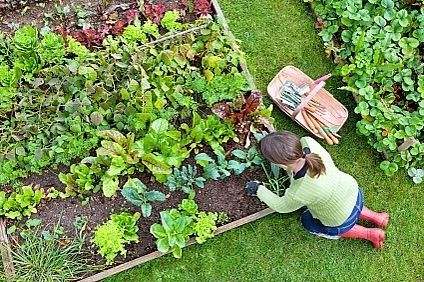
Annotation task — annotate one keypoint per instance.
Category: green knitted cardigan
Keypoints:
(329, 197)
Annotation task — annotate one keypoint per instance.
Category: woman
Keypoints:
(333, 199)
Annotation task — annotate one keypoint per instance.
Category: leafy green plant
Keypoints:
(173, 233)
(81, 180)
(211, 169)
(189, 206)
(111, 236)
(247, 159)
(211, 130)
(225, 87)
(136, 192)
(276, 180)
(185, 179)
(205, 226)
(417, 174)
(169, 21)
(20, 203)
(119, 155)
(377, 45)
(161, 149)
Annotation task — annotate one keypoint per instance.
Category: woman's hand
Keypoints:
(252, 187)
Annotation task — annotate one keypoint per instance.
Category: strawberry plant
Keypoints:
(378, 47)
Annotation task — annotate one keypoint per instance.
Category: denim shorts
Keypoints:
(315, 226)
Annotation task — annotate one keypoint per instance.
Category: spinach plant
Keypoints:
(111, 236)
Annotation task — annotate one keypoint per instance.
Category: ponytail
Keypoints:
(284, 147)
(316, 167)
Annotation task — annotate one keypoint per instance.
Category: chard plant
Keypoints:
(136, 192)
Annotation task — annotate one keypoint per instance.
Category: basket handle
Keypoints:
(308, 98)
(322, 78)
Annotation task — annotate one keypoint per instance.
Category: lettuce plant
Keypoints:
(20, 203)
(173, 232)
(205, 226)
(111, 236)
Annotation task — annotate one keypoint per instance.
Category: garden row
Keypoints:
(378, 46)
(153, 107)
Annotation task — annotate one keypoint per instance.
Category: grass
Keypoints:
(274, 34)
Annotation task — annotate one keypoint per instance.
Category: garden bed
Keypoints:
(224, 195)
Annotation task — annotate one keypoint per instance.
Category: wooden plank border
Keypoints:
(157, 254)
(6, 256)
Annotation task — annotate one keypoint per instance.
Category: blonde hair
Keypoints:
(284, 147)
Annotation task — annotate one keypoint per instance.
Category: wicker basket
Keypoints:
(335, 113)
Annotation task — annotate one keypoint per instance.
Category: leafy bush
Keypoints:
(81, 180)
(179, 224)
(377, 44)
(169, 21)
(111, 236)
(136, 192)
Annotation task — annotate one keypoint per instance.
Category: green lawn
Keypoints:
(276, 33)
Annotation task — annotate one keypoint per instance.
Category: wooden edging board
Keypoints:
(157, 254)
(6, 256)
